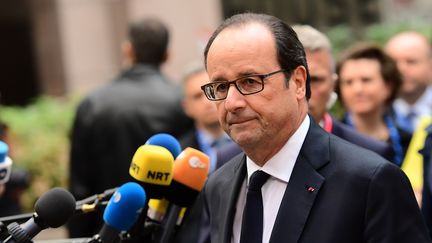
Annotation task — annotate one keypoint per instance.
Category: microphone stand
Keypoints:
(16, 218)
(136, 232)
(107, 193)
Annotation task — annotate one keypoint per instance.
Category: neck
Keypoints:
(411, 98)
(371, 124)
(262, 152)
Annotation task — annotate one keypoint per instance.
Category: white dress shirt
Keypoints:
(279, 167)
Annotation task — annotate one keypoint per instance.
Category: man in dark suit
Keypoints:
(113, 121)
(315, 186)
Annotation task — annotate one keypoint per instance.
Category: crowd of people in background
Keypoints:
(385, 92)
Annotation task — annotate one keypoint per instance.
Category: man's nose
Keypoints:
(234, 99)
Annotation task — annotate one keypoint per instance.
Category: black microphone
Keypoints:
(52, 210)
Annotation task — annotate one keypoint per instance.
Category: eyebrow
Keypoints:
(240, 75)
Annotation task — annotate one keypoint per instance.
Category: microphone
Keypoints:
(52, 210)
(122, 211)
(167, 141)
(151, 161)
(189, 176)
(5, 163)
(152, 167)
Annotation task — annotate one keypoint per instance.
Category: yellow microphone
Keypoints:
(189, 175)
(152, 167)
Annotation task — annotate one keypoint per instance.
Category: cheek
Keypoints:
(221, 111)
(379, 91)
(385, 95)
(323, 92)
(346, 95)
(345, 92)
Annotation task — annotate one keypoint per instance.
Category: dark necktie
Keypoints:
(252, 222)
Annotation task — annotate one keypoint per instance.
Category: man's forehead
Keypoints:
(244, 31)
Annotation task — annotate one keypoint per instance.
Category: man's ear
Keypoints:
(299, 77)
(128, 53)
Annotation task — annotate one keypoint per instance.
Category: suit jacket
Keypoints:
(358, 197)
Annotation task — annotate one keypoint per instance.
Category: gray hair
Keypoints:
(314, 40)
(311, 38)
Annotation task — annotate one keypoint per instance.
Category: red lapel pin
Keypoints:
(310, 189)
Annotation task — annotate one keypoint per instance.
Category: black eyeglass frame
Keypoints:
(261, 76)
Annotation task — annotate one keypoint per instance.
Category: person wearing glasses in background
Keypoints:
(294, 182)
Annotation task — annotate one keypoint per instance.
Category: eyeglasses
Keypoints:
(247, 85)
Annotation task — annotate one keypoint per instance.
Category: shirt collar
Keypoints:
(204, 136)
(282, 163)
(208, 139)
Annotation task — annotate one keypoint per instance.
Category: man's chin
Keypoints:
(243, 138)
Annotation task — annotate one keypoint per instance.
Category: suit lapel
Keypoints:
(232, 190)
(303, 187)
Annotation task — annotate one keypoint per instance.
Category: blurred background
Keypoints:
(56, 51)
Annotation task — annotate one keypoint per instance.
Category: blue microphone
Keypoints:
(122, 211)
(167, 141)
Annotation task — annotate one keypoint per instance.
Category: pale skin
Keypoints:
(263, 122)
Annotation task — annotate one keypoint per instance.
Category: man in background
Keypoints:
(413, 55)
(413, 108)
(207, 134)
(113, 121)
